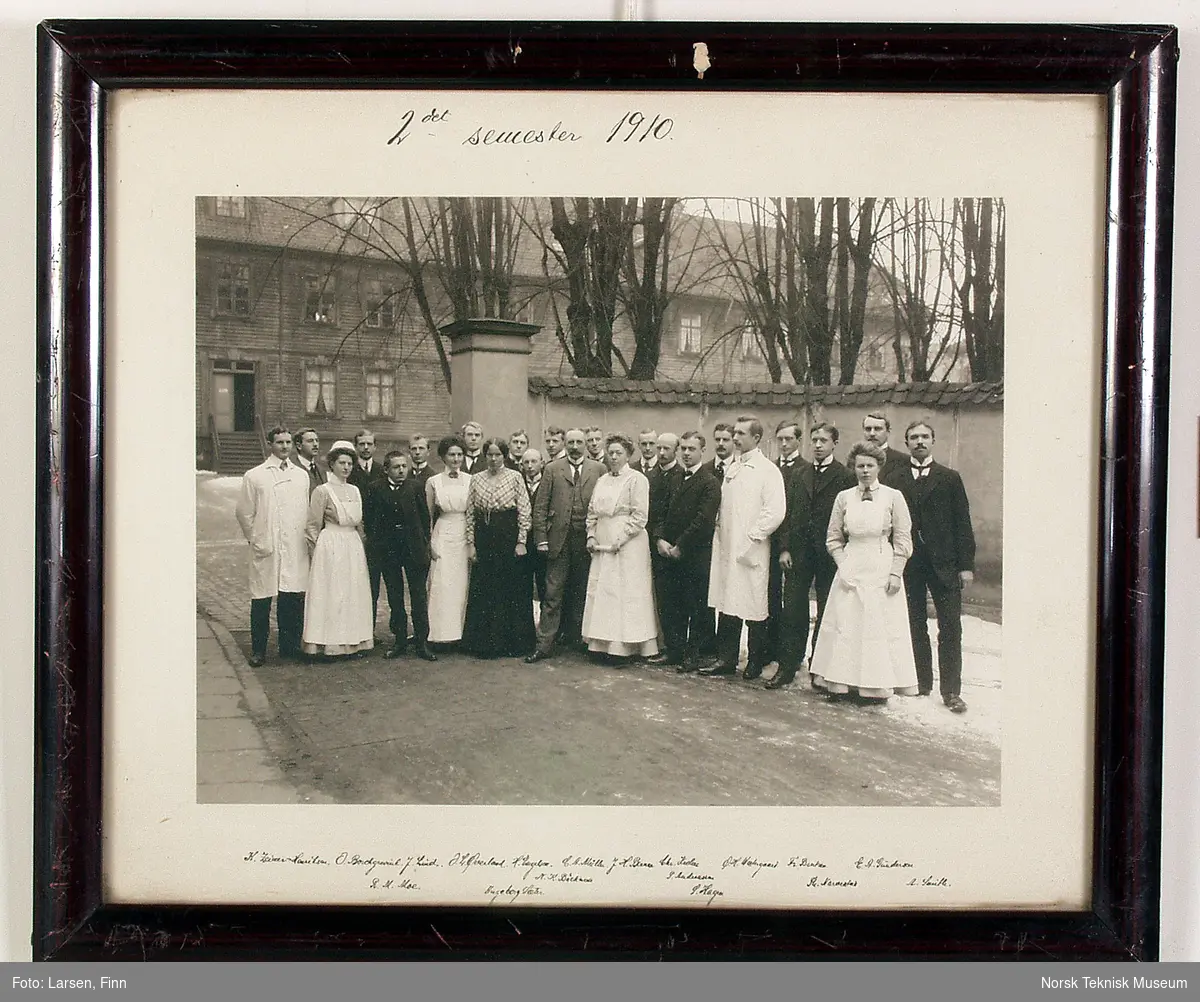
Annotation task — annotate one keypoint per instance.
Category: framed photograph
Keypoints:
(625, 490)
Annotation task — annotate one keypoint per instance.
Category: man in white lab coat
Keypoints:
(273, 511)
(752, 507)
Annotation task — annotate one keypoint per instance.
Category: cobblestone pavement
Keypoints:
(565, 731)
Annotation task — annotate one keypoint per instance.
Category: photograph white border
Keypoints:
(168, 147)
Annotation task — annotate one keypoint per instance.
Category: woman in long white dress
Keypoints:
(449, 569)
(619, 617)
(337, 608)
(864, 643)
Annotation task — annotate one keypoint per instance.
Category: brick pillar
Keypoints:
(489, 373)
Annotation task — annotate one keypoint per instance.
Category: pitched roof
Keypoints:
(632, 391)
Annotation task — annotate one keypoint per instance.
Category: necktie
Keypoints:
(867, 494)
(720, 470)
(919, 471)
(821, 467)
(283, 465)
(574, 473)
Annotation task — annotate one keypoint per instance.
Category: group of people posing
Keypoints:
(644, 552)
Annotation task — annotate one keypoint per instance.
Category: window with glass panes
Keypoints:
(381, 305)
(320, 389)
(233, 288)
(231, 205)
(381, 393)
(319, 299)
(750, 347)
(689, 333)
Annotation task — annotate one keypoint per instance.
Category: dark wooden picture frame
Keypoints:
(81, 63)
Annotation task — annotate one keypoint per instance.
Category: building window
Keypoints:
(529, 312)
(233, 288)
(749, 342)
(233, 206)
(689, 334)
(381, 305)
(319, 299)
(381, 394)
(320, 389)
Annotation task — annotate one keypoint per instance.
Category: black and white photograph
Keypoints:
(621, 501)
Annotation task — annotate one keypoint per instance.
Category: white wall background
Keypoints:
(18, 18)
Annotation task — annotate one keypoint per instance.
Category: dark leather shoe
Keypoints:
(752, 672)
(661, 658)
(955, 704)
(686, 667)
(255, 660)
(395, 651)
(718, 668)
(780, 679)
(424, 653)
(536, 656)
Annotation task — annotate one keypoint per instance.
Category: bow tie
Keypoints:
(919, 470)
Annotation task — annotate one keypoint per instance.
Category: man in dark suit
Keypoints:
(683, 541)
(876, 428)
(518, 445)
(803, 558)
(647, 458)
(665, 478)
(308, 444)
(418, 454)
(397, 523)
(472, 437)
(943, 562)
(560, 532)
(787, 441)
(534, 560)
(366, 476)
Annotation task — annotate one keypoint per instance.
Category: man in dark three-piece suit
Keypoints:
(803, 558)
(943, 561)
(396, 520)
(682, 541)
(308, 444)
(560, 532)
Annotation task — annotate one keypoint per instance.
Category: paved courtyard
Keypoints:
(565, 731)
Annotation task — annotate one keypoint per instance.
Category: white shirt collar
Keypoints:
(670, 466)
(927, 461)
(824, 464)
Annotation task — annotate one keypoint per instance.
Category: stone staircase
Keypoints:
(240, 451)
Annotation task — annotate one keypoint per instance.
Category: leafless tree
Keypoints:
(981, 290)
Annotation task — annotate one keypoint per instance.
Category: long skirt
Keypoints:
(619, 617)
(337, 609)
(448, 577)
(499, 609)
(864, 642)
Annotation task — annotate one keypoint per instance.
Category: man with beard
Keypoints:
(560, 532)
(684, 547)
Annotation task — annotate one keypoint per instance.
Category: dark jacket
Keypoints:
(810, 496)
(941, 516)
(691, 517)
(397, 521)
(663, 485)
(711, 466)
(316, 476)
(422, 476)
(364, 481)
(895, 468)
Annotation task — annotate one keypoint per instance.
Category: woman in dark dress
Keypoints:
(499, 609)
